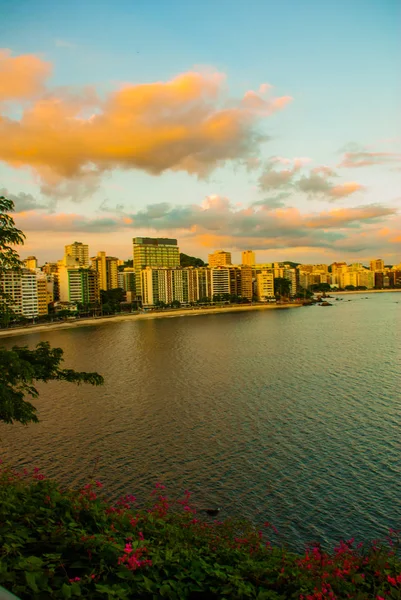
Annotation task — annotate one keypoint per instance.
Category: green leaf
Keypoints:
(149, 585)
(76, 589)
(35, 561)
(165, 590)
(31, 580)
(66, 591)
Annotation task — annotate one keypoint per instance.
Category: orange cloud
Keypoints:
(345, 189)
(21, 76)
(183, 124)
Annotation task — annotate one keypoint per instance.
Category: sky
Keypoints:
(272, 126)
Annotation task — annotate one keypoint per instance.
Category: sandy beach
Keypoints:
(335, 293)
(181, 312)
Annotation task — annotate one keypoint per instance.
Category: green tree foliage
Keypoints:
(21, 368)
(190, 261)
(304, 293)
(282, 287)
(9, 236)
(111, 300)
(320, 287)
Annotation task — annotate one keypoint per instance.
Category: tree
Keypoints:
(304, 293)
(111, 300)
(175, 304)
(9, 236)
(282, 286)
(21, 368)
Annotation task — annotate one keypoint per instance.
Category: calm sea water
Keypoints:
(290, 416)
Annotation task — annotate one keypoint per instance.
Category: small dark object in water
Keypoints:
(212, 512)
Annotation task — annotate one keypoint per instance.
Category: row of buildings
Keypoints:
(156, 277)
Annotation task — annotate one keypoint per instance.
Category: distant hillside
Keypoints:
(190, 261)
(293, 265)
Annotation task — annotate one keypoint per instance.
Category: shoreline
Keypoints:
(335, 293)
(180, 312)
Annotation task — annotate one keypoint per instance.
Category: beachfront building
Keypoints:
(44, 297)
(241, 280)
(79, 285)
(107, 268)
(21, 292)
(153, 252)
(220, 281)
(220, 258)
(265, 285)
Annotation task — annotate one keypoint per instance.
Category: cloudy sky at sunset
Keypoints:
(274, 126)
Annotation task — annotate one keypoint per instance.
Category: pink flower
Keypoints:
(141, 536)
(75, 579)
(99, 484)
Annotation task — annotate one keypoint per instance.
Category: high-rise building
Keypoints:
(265, 285)
(248, 258)
(293, 276)
(366, 278)
(31, 262)
(220, 258)
(126, 279)
(21, 292)
(11, 288)
(77, 253)
(321, 268)
(153, 252)
(306, 268)
(377, 265)
(165, 285)
(79, 284)
(107, 267)
(241, 281)
(379, 280)
(220, 281)
(43, 294)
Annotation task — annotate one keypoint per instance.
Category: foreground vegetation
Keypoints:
(62, 543)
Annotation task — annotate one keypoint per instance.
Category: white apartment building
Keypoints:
(22, 290)
(220, 281)
(265, 285)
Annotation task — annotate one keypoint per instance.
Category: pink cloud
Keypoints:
(353, 160)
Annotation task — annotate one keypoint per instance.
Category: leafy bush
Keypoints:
(63, 543)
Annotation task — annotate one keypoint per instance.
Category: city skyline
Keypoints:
(265, 127)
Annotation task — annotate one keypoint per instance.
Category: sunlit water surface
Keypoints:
(290, 416)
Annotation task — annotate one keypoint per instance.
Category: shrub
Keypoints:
(64, 543)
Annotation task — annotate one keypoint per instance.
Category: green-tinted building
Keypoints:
(154, 252)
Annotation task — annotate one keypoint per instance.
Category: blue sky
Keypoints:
(338, 61)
